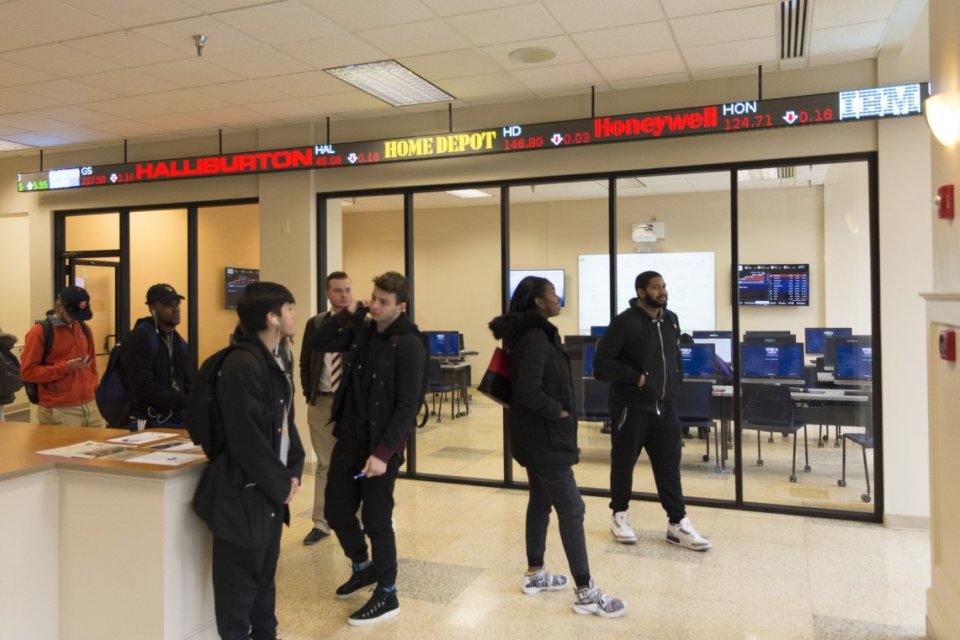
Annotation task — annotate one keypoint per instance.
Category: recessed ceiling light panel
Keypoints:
(391, 82)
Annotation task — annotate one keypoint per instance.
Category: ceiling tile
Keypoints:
(731, 53)
(510, 24)
(677, 8)
(13, 74)
(578, 74)
(837, 39)
(415, 38)
(213, 6)
(12, 39)
(644, 65)
(134, 13)
(281, 22)
(176, 122)
(259, 62)
(74, 114)
(126, 82)
(229, 117)
(334, 51)
(650, 81)
(127, 45)
(132, 107)
(486, 89)
(455, 7)
(19, 100)
(81, 134)
(68, 91)
(310, 83)
(29, 122)
(843, 56)
(285, 109)
(567, 52)
(370, 14)
(835, 13)
(126, 129)
(724, 26)
(628, 40)
(350, 104)
(192, 72)
(37, 139)
(221, 38)
(577, 15)
(61, 61)
(51, 20)
(244, 92)
(451, 64)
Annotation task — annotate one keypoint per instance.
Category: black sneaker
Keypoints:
(358, 580)
(315, 536)
(381, 606)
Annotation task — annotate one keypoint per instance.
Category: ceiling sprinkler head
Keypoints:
(201, 40)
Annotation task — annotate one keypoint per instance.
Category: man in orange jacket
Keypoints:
(67, 379)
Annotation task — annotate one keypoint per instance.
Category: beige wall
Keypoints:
(15, 316)
(158, 253)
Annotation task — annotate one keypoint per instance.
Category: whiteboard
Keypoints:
(690, 278)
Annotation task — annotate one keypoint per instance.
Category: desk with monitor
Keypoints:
(446, 350)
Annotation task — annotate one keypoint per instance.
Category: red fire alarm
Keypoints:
(945, 202)
(948, 345)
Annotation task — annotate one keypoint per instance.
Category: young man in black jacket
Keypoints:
(640, 357)
(250, 484)
(154, 360)
(374, 409)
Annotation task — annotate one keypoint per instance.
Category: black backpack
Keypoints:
(10, 381)
(113, 399)
(33, 388)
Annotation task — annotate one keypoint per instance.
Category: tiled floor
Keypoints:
(768, 576)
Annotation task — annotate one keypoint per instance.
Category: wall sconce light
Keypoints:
(943, 117)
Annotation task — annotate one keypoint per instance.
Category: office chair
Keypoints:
(694, 404)
(596, 402)
(438, 385)
(769, 407)
(865, 440)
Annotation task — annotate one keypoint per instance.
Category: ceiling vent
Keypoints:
(785, 172)
(794, 34)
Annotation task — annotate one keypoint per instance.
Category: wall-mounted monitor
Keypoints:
(555, 276)
(774, 285)
(814, 337)
(443, 343)
(722, 342)
(830, 348)
(772, 361)
(698, 361)
(854, 362)
(235, 280)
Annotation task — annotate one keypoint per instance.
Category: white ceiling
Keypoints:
(82, 73)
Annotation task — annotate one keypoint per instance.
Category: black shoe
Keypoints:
(315, 536)
(357, 581)
(381, 606)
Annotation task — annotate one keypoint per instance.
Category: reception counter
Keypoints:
(98, 549)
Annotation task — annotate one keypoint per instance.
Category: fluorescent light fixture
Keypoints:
(8, 145)
(943, 117)
(470, 193)
(391, 82)
(746, 175)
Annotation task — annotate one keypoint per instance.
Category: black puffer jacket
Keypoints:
(155, 372)
(636, 344)
(541, 388)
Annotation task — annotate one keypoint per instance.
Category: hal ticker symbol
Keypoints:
(113, 177)
(556, 139)
(790, 117)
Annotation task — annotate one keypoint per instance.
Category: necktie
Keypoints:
(335, 372)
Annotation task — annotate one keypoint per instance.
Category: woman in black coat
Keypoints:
(543, 438)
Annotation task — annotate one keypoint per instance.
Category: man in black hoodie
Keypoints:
(154, 361)
(374, 408)
(640, 357)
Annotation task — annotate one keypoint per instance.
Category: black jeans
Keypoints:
(556, 487)
(245, 590)
(374, 496)
(635, 429)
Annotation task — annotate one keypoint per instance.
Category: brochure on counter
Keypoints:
(89, 450)
(143, 437)
(165, 458)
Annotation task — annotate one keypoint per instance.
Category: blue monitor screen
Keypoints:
(598, 330)
(783, 361)
(588, 352)
(854, 362)
(444, 343)
(697, 360)
(830, 344)
(814, 337)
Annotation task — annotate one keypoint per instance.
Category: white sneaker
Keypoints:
(621, 529)
(685, 535)
(593, 601)
(542, 580)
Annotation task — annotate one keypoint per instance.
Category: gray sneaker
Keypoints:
(542, 581)
(593, 601)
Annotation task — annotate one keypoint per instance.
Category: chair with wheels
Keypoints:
(438, 385)
(865, 440)
(769, 407)
(694, 404)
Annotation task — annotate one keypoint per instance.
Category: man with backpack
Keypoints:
(154, 362)
(59, 358)
(256, 459)
(384, 361)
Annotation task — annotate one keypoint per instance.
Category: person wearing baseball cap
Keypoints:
(66, 372)
(154, 361)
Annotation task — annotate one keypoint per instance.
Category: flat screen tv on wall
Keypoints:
(235, 280)
(773, 285)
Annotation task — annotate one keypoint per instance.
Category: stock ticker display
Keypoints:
(844, 106)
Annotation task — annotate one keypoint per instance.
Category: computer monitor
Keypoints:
(854, 362)
(722, 342)
(773, 284)
(235, 281)
(598, 330)
(830, 344)
(772, 361)
(444, 343)
(814, 337)
(589, 352)
(698, 361)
